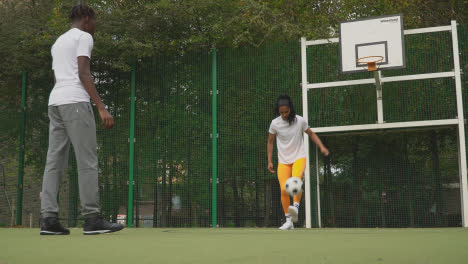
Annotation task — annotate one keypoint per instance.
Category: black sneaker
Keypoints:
(97, 225)
(52, 226)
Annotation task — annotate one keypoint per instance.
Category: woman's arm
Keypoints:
(317, 142)
(271, 138)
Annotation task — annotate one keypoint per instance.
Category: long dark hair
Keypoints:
(292, 111)
(81, 11)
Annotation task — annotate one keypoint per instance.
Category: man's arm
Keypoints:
(84, 73)
(271, 138)
(317, 141)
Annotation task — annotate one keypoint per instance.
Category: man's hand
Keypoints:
(106, 117)
(88, 82)
(270, 167)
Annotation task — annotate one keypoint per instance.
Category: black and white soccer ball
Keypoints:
(293, 186)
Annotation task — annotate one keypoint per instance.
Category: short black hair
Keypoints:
(81, 11)
(292, 111)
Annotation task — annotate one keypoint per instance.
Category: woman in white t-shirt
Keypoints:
(289, 129)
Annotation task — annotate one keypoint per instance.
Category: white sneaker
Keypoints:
(292, 210)
(287, 226)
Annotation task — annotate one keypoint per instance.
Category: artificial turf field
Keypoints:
(229, 245)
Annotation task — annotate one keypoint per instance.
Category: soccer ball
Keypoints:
(293, 186)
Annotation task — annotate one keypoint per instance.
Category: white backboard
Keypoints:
(376, 36)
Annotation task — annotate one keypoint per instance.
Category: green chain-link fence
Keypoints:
(386, 178)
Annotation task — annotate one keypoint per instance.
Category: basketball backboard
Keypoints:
(376, 36)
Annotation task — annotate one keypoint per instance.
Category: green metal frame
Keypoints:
(214, 143)
(132, 147)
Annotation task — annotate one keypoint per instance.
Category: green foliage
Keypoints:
(145, 28)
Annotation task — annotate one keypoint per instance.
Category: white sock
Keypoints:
(288, 218)
(296, 205)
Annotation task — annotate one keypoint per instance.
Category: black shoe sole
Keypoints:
(50, 233)
(100, 232)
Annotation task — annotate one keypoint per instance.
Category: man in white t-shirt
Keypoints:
(289, 129)
(72, 121)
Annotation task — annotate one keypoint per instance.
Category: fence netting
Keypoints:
(388, 178)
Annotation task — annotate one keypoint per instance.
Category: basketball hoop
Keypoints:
(371, 62)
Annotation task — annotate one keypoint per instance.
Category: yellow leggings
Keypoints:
(285, 171)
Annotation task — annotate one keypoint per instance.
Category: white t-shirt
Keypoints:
(289, 138)
(67, 48)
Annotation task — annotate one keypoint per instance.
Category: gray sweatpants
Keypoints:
(71, 123)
